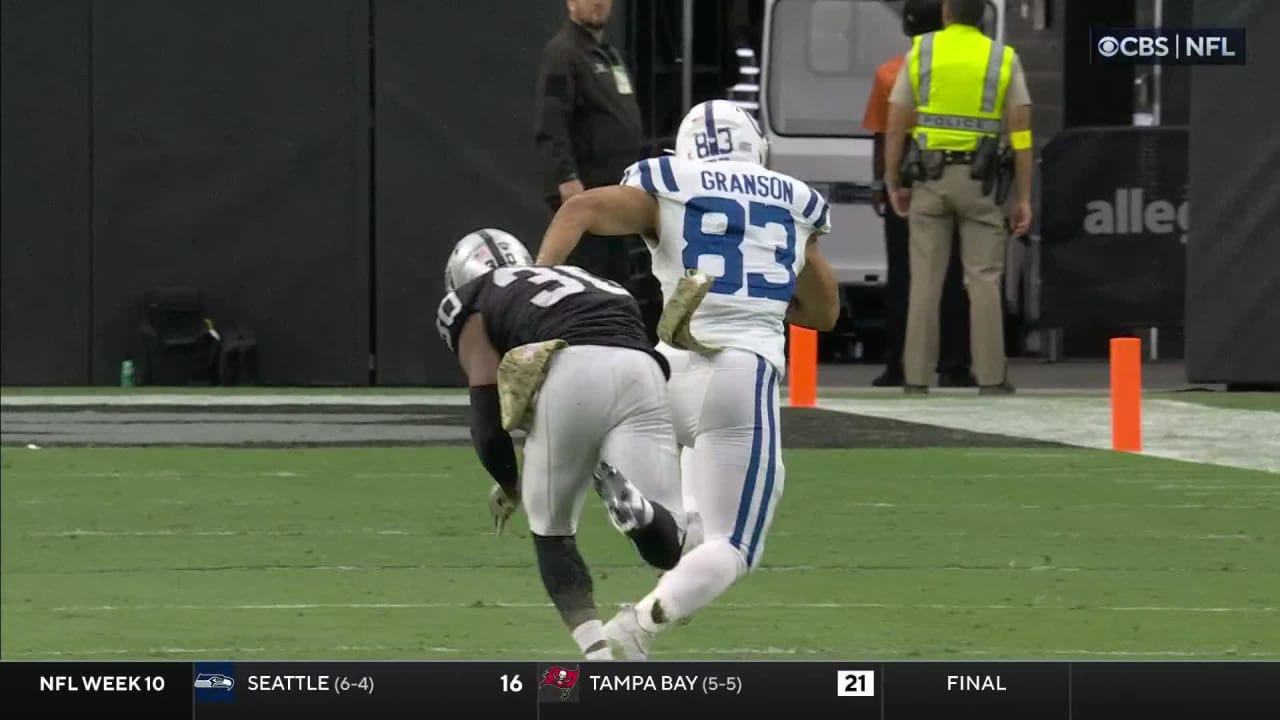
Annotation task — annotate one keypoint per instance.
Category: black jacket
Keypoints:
(587, 128)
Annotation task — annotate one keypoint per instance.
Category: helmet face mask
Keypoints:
(480, 252)
(718, 130)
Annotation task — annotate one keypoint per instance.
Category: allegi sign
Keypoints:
(1132, 212)
(1115, 219)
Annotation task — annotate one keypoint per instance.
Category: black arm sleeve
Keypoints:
(552, 116)
(493, 444)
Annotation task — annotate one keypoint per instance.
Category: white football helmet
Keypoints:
(481, 251)
(720, 130)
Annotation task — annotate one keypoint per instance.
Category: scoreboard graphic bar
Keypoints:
(653, 690)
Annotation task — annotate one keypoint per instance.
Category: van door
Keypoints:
(819, 65)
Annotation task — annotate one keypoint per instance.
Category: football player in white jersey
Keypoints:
(714, 207)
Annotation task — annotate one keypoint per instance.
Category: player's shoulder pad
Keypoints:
(656, 176)
(813, 208)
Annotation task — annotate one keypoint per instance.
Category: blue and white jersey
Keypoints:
(742, 224)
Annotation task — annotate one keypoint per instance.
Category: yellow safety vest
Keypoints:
(959, 77)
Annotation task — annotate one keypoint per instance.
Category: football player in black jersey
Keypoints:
(598, 410)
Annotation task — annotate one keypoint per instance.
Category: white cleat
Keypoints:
(627, 640)
(621, 498)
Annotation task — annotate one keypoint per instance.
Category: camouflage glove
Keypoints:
(673, 327)
(502, 506)
(520, 374)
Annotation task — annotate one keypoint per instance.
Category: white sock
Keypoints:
(590, 638)
(602, 654)
(702, 576)
(646, 514)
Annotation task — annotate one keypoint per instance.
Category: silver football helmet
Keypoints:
(481, 251)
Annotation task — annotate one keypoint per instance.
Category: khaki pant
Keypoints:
(936, 207)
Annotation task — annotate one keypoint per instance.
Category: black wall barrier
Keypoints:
(44, 192)
(230, 154)
(1233, 282)
(454, 152)
(233, 147)
(1114, 227)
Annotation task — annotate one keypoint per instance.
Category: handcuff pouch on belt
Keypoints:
(1005, 172)
(984, 166)
(935, 162)
(912, 170)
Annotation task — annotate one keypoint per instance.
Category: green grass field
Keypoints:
(1024, 553)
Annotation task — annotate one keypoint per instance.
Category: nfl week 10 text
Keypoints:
(652, 691)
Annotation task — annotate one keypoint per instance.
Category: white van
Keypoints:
(818, 67)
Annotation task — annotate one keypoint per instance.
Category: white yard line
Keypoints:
(1056, 507)
(863, 654)
(147, 652)
(254, 400)
(397, 532)
(1011, 566)
(1226, 652)
(187, 475)
(1171, 429)
(723, 606)
(229, 533)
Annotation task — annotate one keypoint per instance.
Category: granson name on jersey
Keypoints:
(765, 186)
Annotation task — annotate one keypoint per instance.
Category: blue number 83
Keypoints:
(728, 245)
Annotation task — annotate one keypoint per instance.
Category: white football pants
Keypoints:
(725, 412)
(597, 403)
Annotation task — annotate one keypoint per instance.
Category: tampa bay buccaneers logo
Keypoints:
(562, 678)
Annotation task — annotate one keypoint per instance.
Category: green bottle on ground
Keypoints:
(126, 373)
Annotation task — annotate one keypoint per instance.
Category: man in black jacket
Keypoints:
(588, 130)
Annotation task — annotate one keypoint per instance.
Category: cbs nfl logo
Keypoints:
(1108, 46)
(1168, 46)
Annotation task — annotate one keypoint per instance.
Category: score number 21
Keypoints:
(856, 683)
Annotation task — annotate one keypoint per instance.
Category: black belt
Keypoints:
(956, 157)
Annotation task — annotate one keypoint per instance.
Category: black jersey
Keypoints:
(527, 304)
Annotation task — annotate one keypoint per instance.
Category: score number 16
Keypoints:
(511, 684)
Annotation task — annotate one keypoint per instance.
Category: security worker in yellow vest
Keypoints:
(960, 95)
